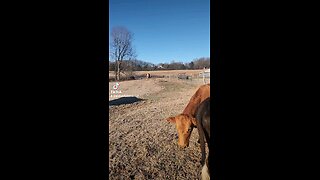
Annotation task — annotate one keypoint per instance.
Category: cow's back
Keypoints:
(201, 94)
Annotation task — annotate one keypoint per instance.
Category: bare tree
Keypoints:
(128, 67)
(121, 47)
(191, 65)
(201, 63)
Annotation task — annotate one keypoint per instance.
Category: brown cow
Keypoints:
(186, 121)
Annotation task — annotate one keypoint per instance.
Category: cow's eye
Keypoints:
(189, 129)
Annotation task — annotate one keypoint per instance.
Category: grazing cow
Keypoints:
(148, 75)
(185, 122)
(203, 125)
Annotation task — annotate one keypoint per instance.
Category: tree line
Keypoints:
(199, 63)
(139, 65)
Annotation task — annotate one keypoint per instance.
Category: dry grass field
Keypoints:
(162, 73)
(142, 144)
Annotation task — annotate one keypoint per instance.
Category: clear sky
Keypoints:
(165, 30)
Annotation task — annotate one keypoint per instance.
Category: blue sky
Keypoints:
(165, 30)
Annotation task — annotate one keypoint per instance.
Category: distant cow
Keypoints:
(186, 121)
(203, 125)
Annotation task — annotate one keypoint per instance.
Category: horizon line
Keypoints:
(166, 61)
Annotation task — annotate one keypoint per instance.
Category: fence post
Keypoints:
(204, 82)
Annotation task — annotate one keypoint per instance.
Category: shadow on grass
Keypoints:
(124, 100)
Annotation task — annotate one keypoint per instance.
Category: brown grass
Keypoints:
(142, 145)
(161, 73)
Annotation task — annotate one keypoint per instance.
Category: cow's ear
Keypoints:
(171, 119)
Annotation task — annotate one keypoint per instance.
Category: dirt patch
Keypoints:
(142, 145)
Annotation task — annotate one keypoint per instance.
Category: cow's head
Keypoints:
(184, 124)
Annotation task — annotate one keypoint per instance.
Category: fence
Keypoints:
(185, 76)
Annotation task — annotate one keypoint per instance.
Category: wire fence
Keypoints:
(204, 76)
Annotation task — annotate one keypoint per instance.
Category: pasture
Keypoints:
(170, 73)
(142, 144)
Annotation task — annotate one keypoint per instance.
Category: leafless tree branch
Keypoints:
(121, 47)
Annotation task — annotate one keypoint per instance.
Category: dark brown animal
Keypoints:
(203, 125)
(185, 122)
